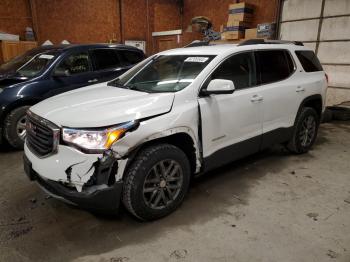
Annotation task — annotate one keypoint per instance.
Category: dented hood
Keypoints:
(101, 105)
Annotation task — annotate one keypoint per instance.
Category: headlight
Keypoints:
(96, 140)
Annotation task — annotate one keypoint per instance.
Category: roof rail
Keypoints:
(197, 43)
(264, 42)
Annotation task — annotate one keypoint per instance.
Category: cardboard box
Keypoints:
(266, 30)
(241, 12)
(232, 19)
(243, 24)
(250, 33)
(235, 30)
(232, 35)
(237, 25)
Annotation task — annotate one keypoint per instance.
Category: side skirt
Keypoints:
(246, 148)
(277, 136)
(231, 153)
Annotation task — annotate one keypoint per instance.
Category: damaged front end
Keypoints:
(94, 186)
(100, 172)
(79, 166)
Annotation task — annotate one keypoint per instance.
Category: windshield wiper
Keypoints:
(115, 84)
(140, 89)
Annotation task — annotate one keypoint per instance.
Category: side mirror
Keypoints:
(219, 87)
(61, 73)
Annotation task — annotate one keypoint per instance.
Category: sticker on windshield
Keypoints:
(196, 59)
(46, 56)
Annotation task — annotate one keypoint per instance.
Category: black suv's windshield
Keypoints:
(29, 64)
(167, 73)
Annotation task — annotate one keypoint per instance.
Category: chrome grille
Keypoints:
(42, 136)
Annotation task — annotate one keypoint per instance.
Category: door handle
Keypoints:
(256, 98)
(300, 89)
(93, 80)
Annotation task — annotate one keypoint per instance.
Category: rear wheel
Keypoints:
(15, 127)
(156, 182)
(305, 131)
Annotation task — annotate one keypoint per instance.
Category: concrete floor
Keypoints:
(269, 207)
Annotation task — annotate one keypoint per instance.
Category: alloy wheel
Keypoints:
(308, 131)
(163, 184)
(21, 127)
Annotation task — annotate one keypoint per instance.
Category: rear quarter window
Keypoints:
(128, 57)
(309, 61)
(105, 59)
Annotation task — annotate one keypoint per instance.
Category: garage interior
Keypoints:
(161, 25)
(272, 206)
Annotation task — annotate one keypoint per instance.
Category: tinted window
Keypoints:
(309, 61)
(105, 58)
(240, 69)
(130, 57)
(274, 65)
(74, 64)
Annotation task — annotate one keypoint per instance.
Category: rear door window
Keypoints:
(274, 65)
(309, 61)
(128, 57)
(75, 64)
(105, 59)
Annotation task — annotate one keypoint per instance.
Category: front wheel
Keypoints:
(15, 127)
(305, 131)
(156, 182)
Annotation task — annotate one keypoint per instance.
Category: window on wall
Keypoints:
(309, 61)
(75, 64)
(105, 59)
(274, 65)
(240, 69)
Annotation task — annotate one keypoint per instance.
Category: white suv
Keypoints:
(141, 138)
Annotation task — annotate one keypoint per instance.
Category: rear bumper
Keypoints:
(97, 198)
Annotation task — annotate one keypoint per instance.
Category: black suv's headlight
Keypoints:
(96, 140)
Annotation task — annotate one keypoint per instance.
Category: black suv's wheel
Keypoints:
(15, 127)
(156, 182)
(305, 131)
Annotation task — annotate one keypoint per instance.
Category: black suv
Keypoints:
(50, 70)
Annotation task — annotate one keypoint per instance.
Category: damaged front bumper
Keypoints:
(88, 181)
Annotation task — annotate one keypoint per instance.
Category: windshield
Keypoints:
(29, 64)
(168, 73)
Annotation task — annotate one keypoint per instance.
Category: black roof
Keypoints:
(63, 47)
(260, 41)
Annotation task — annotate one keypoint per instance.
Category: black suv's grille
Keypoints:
(42, 136)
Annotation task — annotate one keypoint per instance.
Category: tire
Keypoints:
(303, 140)
(340, 113)
(13, 124)
(144, 182)
(327, 116)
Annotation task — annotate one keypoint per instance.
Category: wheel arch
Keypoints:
(313, 101)
(180, 139)
(16, 104)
